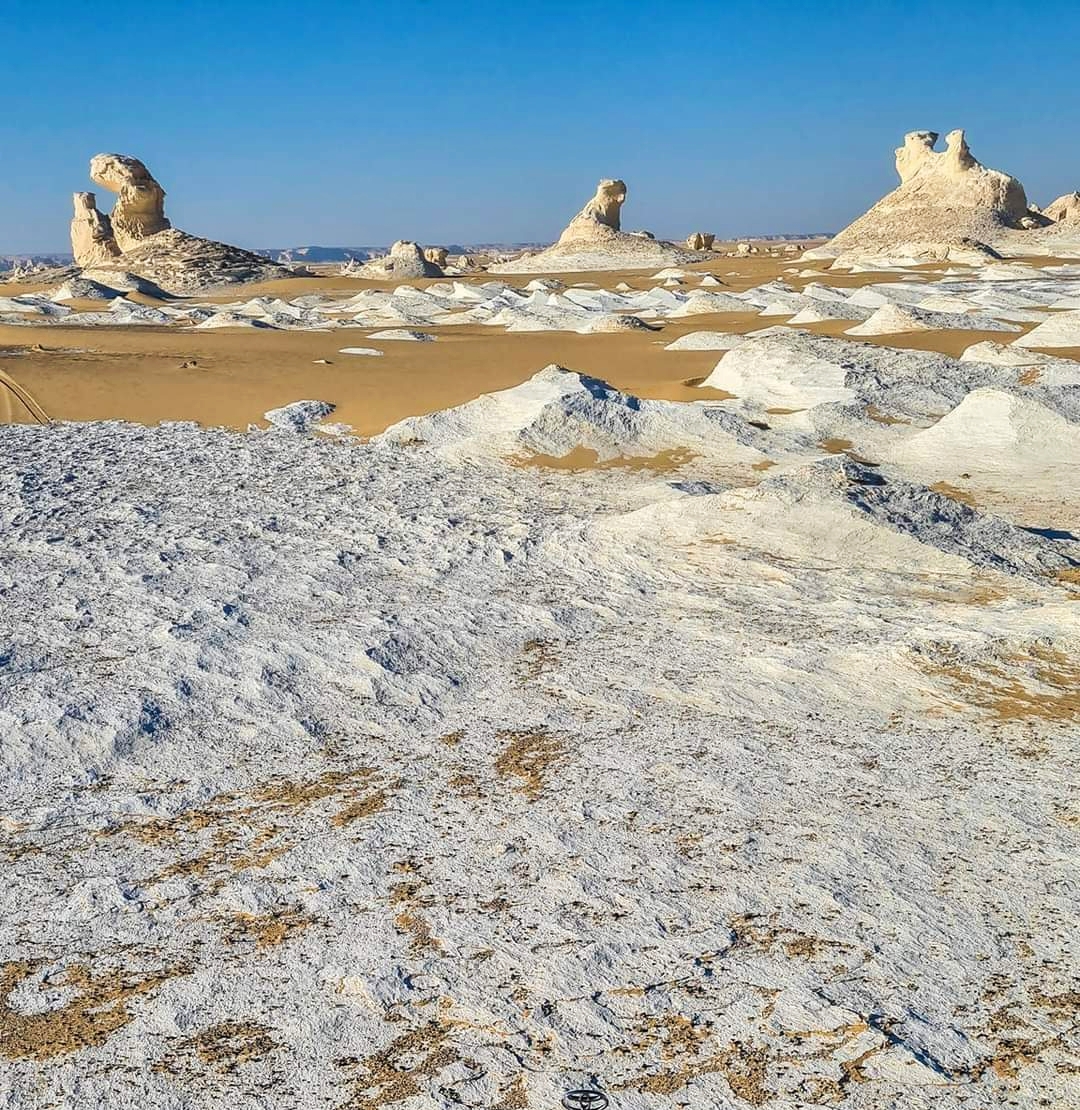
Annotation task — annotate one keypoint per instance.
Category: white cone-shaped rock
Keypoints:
(92, 239)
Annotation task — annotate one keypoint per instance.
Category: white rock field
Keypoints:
(715, 753)
(735, 769)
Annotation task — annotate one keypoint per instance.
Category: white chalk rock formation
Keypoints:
(945, 200)
(139, 211)
(437, 255)
(700, 241)
(299, 417)
(996, 445)
(558, 410)
(405, 260)
(92, 239)
(147, 245)
(761, 370)
(601, 215)
(706, 341)
(594, 240)
(1065, 209)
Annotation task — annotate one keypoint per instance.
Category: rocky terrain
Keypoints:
(716, 751)
(710, 753)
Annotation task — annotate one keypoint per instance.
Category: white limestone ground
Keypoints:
(411, 773)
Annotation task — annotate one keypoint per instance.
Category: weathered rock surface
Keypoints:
(600, 217)
(405, 260)
(1065, 208)
(92, 239)
(137, 238)
(437, 255)
(139, 211)
(594, 240)
(182, 264)
(945, 200)
(700, 241)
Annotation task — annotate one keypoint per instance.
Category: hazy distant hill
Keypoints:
(10, 261)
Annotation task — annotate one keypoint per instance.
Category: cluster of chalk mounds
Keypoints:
(998, 297)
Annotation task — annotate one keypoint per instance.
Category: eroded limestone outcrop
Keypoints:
(594, 240)
(138, 239)
(1066, 209)
(599, 220)
(700, 241)
(139, 210)
(947, 201)
(92, 240)
(405, 260)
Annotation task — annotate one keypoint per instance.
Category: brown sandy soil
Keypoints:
(233, 377)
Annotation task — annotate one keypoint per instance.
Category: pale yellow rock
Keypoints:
(599, 219)
(1065, 209)
(436, 254)
(139, 211)
(700, 241)
(918, 148)
(143, 242)
(92, 239)
(594, 240)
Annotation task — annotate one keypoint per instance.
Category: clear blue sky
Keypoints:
(351, 123)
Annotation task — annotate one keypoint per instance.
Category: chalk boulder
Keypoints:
(92, 239)
(405, 260)
(700, 241)
(437, 255)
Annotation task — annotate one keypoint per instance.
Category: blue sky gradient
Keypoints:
(277, 124)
